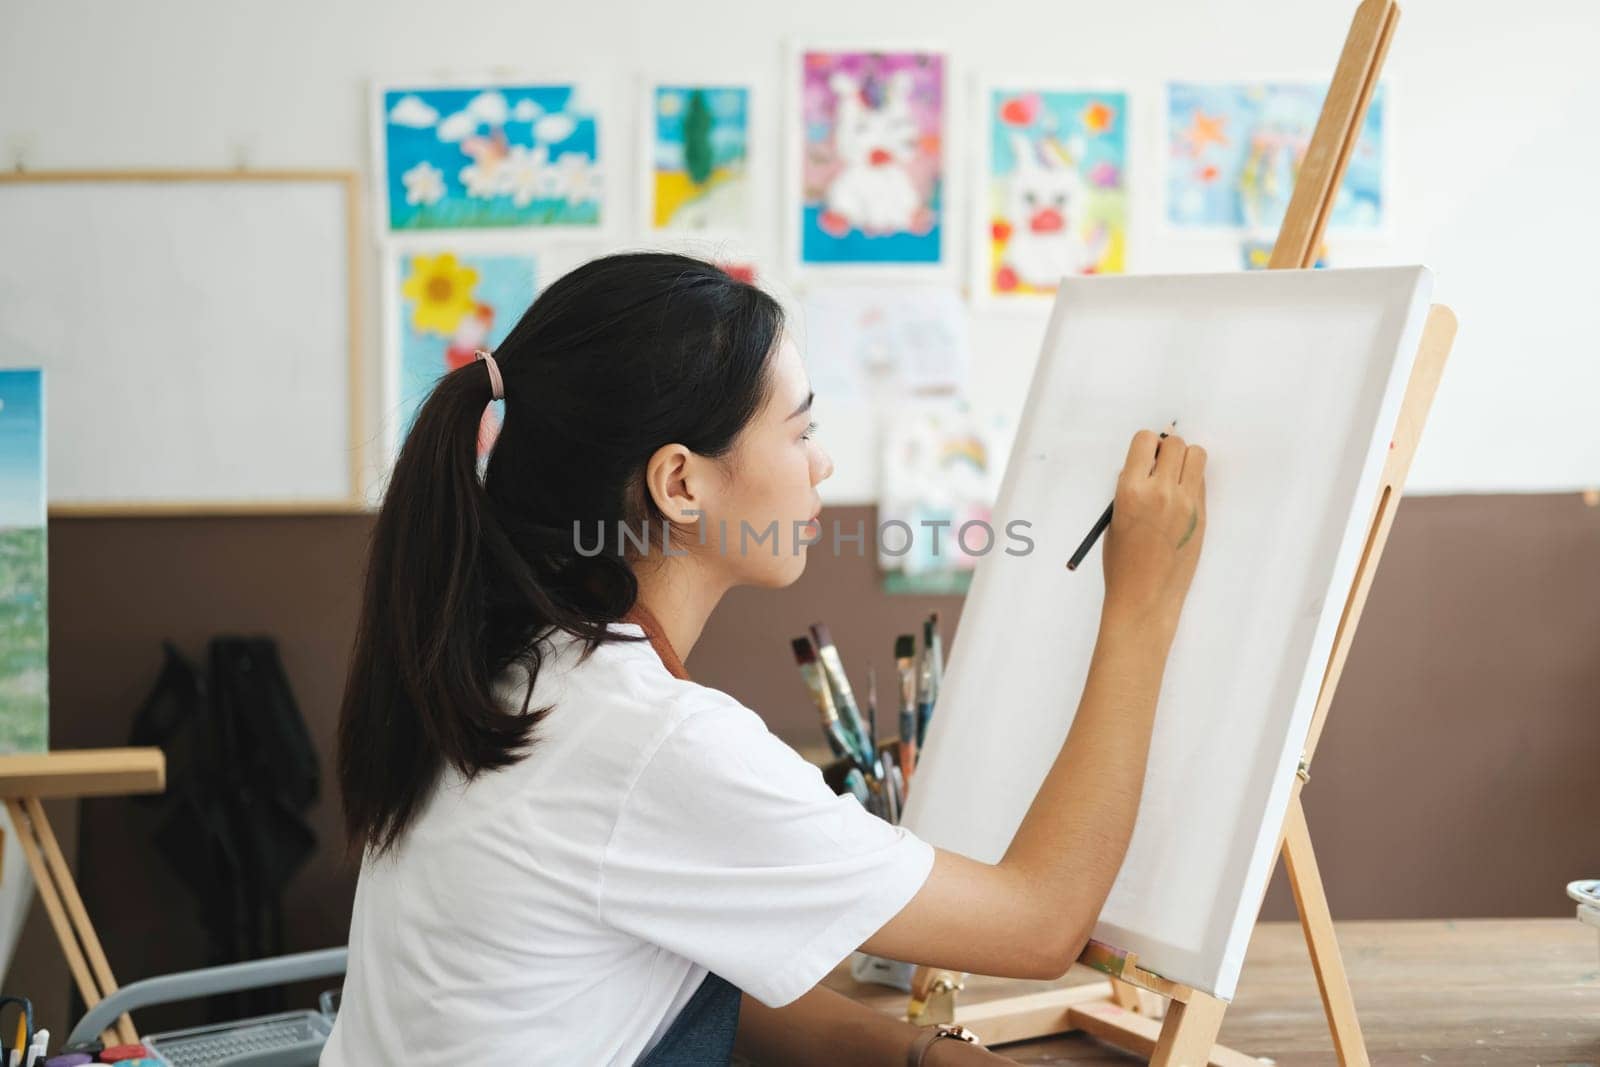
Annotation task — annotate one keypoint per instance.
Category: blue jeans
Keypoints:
(703, 1032)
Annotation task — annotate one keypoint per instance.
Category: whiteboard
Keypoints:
(1292, 380)
(197, 332)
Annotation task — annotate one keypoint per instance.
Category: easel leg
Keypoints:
(1125, 995)
(1189, 1032)
(85, 958)
(1316, 920)
(1130, 997)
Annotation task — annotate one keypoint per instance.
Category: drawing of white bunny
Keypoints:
(1043, 206)
(873, 192)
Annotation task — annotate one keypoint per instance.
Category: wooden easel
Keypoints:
(24, 781)
(1173, 1024)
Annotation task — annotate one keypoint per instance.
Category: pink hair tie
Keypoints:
(497, 384)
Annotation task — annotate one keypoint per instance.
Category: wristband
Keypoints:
(919, 1047)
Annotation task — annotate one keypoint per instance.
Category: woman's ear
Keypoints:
(673, 479)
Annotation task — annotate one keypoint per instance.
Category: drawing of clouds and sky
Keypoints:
(491, 157)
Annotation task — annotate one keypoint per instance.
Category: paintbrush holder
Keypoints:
(834, 772)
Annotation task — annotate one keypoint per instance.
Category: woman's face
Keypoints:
(763, 514)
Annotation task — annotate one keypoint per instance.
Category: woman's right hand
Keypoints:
(1157, 527)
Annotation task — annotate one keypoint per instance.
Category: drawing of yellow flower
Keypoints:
(440, 290)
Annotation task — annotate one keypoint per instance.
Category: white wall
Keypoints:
(1492, 139)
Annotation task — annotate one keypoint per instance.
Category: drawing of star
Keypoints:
(1206, 129)
(1097, 117)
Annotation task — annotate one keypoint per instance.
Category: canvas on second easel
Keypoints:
(24, 594)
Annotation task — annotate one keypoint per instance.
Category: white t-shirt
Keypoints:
(563, 910)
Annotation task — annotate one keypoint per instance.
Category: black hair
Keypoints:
(615, 359)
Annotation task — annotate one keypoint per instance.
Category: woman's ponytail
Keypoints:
(420, 694)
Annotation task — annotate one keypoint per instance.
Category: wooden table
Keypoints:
(1479, 991)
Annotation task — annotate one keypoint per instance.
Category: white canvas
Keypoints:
(1292, 381)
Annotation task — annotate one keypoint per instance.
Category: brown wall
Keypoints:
(1461, 751)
